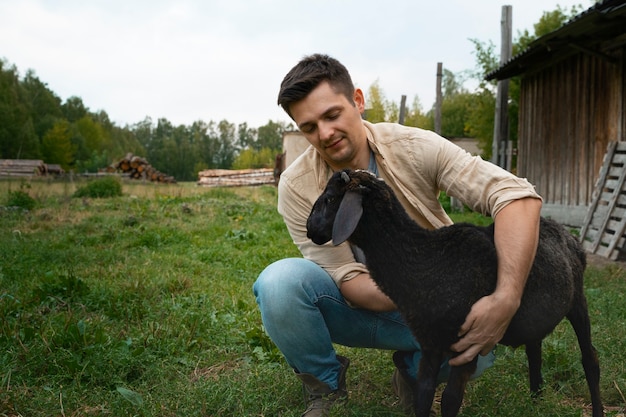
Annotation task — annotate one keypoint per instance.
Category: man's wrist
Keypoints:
(509, 299)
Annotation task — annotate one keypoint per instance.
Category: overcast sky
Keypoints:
(208, 60)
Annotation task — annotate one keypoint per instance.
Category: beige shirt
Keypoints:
(416, 164)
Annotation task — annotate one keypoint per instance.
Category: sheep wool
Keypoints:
(435, 276)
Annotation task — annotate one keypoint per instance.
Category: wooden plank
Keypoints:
(619, 159)
(605, 223)
(604, 170)
(616, 212)
(612, 203)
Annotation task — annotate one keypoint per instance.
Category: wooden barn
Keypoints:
(572, 106)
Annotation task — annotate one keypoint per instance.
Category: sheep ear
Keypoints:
(348, 216)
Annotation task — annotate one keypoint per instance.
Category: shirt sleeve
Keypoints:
(484, 187)
(294, 204)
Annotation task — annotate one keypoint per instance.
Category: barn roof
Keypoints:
(604, 21)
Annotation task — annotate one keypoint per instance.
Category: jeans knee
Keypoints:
(287, 283)
(276, 279)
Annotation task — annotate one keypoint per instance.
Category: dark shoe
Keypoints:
(403, 384)
(318, 396)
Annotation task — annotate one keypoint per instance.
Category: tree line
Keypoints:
(36, 124)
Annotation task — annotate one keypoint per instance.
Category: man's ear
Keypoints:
(359, 100)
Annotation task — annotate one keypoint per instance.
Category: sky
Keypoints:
(214, 60)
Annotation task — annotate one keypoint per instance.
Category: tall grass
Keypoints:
(141, 305)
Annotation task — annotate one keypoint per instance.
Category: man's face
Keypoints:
(332, 124)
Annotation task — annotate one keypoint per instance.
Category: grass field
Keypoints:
(141, 305)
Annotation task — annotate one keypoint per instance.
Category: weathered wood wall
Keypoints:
(568, 114)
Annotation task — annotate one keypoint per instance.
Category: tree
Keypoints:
(480, 119)
(549, 22)
(250, 158)
(226, 152)
(455, 105)
(245, 136)
(206, 143)
(120, 140)
(451, 84)
(44, 105)
(74, 109)
(376, 104)
(170, 150)
(414, 116)
(93, 134)
(454, 114)
(270, 135)
(143, 133)
(57, 146)
(180, 155)
(17, 133)
(157, 154)
(393, 112)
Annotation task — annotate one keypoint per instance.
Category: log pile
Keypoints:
(22, 167)
(136, 167)
(235, 178)
(54, 169)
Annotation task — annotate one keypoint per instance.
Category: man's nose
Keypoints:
(326, 130)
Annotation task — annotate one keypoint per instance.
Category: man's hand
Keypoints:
(516, 235)
(484, 327)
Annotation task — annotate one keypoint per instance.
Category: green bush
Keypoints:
(101, 188)
(21, 199)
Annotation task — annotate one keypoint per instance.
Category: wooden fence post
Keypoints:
(501, 120)
(438, 99)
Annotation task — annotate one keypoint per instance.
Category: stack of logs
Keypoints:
(22, 167)
(236, 177)
(136, 167)
(28, 168)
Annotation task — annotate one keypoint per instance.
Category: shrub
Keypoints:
(101, 188)
(21, 199)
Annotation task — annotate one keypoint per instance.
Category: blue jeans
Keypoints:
(304, 313)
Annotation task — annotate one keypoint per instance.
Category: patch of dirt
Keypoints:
(601, 262)
(213, 372)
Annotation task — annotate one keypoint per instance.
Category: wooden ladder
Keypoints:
(605, 222)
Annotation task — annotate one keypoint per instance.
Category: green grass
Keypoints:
(141, 305)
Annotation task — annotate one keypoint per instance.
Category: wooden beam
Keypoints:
(501, 122)
(402, 110)
(438, 99)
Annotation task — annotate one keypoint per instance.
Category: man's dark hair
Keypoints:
(308, 74)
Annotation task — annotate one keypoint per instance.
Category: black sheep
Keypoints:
(435, 276)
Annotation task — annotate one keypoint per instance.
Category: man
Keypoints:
(328, 297)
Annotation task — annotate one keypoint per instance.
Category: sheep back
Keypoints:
(435, 276)
(556, 276)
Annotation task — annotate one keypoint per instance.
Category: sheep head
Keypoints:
(337, 211)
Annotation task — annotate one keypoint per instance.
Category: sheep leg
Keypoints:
(429, 367)
(452, 397)
(533, 354)
(579, 318)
